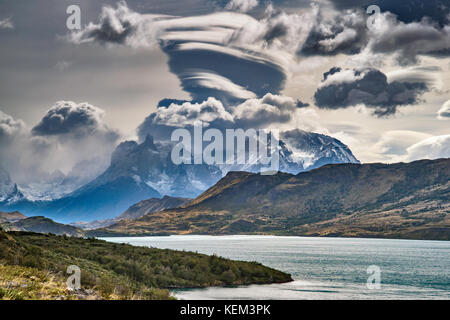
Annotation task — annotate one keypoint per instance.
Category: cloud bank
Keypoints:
(406, 11)
(252, 113)
(68, 135)
(346, 32)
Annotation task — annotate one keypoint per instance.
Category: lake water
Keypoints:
(322, 268)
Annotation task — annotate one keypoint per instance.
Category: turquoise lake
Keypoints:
(322, 268)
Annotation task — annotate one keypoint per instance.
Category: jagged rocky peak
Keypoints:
(9, 191)
(148, 143)
(123, 150)
(312, 150)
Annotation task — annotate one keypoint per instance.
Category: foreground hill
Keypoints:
(33, 266)
(42, 225)
(404, 200)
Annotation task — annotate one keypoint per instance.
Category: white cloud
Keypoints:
(67, 135)
(270, 109)
(241, 5)
(444, 111)
(255, 113)
(6, 24)
(9, 126)
(120, 26)
(393, 145)
(432, 148)
(189, 113)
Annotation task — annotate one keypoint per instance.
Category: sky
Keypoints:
(68, 97)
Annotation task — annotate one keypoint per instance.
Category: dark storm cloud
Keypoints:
(406, 11)
(346, 33)
(301, 104)
(201, 75)
(408, 41)
(344, 88)
(167, 102)
(67, 117)
(279, 30)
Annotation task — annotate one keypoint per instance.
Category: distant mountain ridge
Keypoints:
(42, 225)
(11, 216)
(142, 171)
(403, 200)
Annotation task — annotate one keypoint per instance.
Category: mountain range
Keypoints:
(403, 200)
(141, 171)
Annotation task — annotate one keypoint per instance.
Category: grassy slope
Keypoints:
(113, 271)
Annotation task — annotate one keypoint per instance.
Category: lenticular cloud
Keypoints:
(210, 54)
